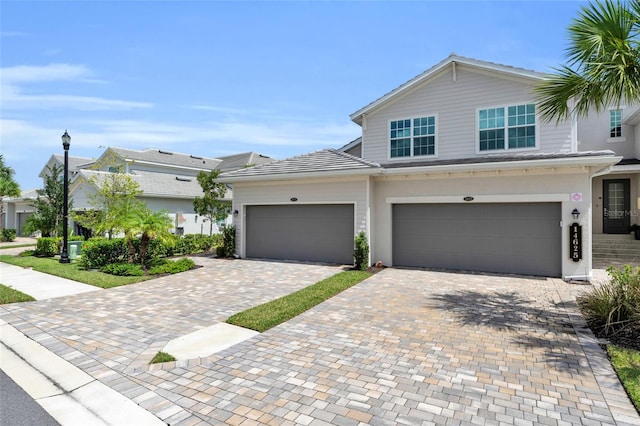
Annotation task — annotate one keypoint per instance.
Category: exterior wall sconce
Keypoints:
(235, 212)
(575, 213)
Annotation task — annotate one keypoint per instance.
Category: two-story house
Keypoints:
(454, 169)
(166, 179)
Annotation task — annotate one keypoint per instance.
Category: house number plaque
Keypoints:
(575, 242)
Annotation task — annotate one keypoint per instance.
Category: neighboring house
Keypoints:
(18, 209)
(167, 180)
(454, 169)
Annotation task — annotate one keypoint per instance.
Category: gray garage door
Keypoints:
(316, 233)
(520, 238)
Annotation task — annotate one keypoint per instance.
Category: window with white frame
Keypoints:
(615, 123)
(510, 127)
(412, 137)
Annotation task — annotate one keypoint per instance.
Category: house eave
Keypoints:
(600, 161)
(301, 175)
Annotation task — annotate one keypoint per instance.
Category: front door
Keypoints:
(617, 203)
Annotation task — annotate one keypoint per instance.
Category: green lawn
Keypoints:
(626, 362)
(263, 317)
(9, 295)
(72, 271)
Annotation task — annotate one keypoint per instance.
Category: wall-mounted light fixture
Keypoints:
(575, 213)
(235, 212)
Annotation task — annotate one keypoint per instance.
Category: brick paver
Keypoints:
(403, 347)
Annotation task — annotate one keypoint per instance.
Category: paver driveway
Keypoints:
(404, 347)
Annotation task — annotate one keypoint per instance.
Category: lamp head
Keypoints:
(66, 141)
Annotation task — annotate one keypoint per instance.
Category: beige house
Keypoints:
(454, 169)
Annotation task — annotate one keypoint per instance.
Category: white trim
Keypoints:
(506, 165)
(617, 140)
(411, 137)
(506, 129)
(626, 168)
(459, 199)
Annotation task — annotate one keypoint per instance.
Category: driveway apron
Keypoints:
(403, 347)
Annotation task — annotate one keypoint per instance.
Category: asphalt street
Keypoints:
(17, 408)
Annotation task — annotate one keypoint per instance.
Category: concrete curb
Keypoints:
(70, 395)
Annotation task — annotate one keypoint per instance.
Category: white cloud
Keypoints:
(51, 72)
(13, 97)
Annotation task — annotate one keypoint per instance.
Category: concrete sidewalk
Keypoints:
(67, 393)
(38, 285)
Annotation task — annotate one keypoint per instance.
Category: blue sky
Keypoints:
(216, 78)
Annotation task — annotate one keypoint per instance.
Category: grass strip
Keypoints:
(626, 362)
(72, 271)
(10, 295)
(162, 357)
(263, 317)
(17, 246)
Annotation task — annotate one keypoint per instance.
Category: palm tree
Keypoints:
(603, 62)
(8, 186)
(148, 224)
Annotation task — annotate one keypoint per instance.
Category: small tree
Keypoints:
(361, 251)
(211, 205)
(114, 199)
(148, 224)
(49, 205)
(8, 186)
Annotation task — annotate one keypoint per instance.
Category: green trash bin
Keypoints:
(74, 249)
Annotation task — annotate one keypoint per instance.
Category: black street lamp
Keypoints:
(66, 142)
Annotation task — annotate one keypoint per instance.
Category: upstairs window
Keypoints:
(412, 137)
(511, 127)
(615, 123)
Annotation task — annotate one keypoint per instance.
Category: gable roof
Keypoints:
(451, 60)
(237, 161)
(320, 162)
(74, 163)
(167, 185)
(159, 156)
(357, 141)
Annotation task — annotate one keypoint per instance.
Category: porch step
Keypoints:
(620, 248)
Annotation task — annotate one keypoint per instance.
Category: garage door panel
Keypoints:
(519, 238)
(317, 233)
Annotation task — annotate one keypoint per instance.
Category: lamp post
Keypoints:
(66, 141)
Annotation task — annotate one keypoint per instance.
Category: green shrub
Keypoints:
(229, 240)
(8, 235)
(100, 252)
(27, 253)
(47, 246)
(361, 251)
(123, 269)
(614, 306)
(172, 267)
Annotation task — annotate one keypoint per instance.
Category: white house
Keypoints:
(167, 181)
(454, 169)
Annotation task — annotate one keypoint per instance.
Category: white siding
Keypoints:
(594, 131)
(456, 103)
(333, 191)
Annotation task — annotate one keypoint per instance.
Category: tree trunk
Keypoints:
(144, 243)
(132, 250)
